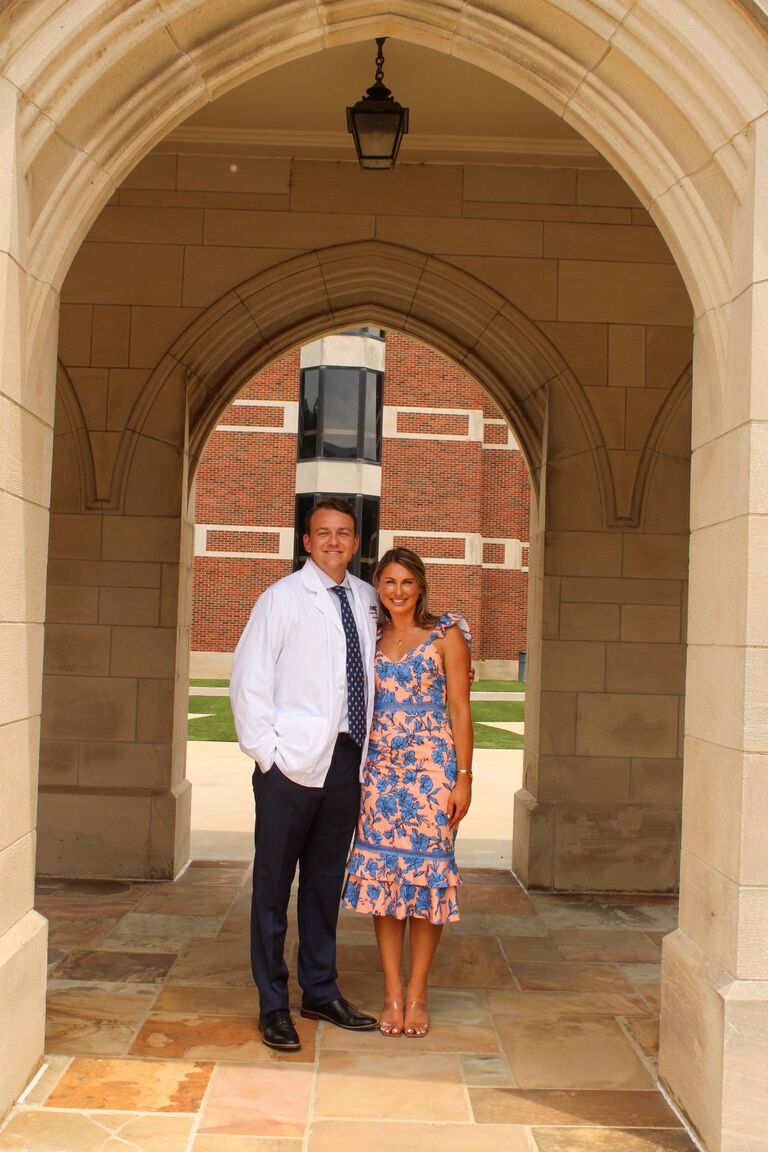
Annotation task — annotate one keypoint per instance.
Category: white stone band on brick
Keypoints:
(290, 417)
(338, 476)
(284, 550)
(515, 554)
(344, 352)
(473, 416)
(511, 444)
(515, 551)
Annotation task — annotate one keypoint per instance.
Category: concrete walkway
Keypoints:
(497, 696)
(222, 804)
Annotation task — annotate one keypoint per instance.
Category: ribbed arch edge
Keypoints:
(77, 428)
(301, 299)
(678, 396)
(100, 84)
(370, 282)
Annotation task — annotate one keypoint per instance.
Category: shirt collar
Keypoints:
(327, 580)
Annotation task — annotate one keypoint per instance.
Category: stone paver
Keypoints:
(541, 1041)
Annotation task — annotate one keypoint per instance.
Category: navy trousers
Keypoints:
(310, 828)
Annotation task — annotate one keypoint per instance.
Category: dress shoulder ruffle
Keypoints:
(451, 620)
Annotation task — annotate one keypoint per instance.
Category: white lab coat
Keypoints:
(289, 674)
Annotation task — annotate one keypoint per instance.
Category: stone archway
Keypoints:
(677, 103)
(400, 288)
(126, 499)
(142, 487)
(606, 71)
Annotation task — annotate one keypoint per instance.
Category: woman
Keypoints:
(417, 786)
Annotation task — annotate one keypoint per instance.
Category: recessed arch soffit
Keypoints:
(398, 288)
(665, 92)
(401, 289)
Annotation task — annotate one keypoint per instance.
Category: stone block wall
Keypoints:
(564, 305)
(678, 102)
(605, 712)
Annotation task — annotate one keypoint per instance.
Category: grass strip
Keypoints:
(478, 686)
(498, 686)
(486, 737)
(217, 722)
(498, 710)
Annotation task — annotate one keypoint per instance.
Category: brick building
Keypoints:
(408, 436)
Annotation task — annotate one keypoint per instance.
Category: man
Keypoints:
(302, 697)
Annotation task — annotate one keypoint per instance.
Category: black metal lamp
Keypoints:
(377, 122)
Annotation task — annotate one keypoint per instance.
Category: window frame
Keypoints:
(319, 432)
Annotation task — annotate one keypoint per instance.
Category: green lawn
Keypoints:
(217, 723)
(498, 686)
(497, 710)
(209, 683)
(486, 737)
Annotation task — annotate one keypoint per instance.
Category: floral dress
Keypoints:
(402, 862)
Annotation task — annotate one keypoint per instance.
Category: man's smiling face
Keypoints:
(331, 542)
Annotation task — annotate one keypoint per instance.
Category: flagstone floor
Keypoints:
(544, 1030)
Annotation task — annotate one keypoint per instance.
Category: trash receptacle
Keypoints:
(522, 662)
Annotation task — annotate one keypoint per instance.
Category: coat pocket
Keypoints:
(301, 738)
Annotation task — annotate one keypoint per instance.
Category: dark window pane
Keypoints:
(341, 398)
(368, 515)
(303, 503)
(309, 406)
(372, 417)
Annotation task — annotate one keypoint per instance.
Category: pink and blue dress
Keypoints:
(402, 862)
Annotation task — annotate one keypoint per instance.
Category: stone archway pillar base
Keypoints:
(714, 1047)
(23, 962)
(102, 835)
(532, 836)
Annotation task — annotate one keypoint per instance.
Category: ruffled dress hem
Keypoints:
(384, 881)
(401, 900)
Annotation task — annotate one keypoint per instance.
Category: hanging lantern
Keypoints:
(377, 122)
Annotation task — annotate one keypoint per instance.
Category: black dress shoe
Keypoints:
(341, 1013)
(278, 1031)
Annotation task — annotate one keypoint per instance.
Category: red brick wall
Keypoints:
(418, 377)
(244, 478)
(428, 486)
(456, 486)
(224, 591)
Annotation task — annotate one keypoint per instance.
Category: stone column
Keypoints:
(26, 391)
(113, 798)
(714, 1036)
(601, 798)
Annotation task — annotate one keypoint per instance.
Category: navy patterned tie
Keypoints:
(355, 675)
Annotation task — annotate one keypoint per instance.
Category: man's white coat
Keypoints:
(289, 677)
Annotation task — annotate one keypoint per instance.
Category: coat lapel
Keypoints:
(322, 596)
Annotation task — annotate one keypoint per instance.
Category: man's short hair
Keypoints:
(333, 504)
